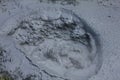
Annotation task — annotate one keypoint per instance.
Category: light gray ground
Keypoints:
(59, 40)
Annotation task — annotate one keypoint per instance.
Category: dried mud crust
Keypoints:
(65, 45)
(63, 2)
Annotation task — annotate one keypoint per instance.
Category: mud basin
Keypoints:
(62, 44)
